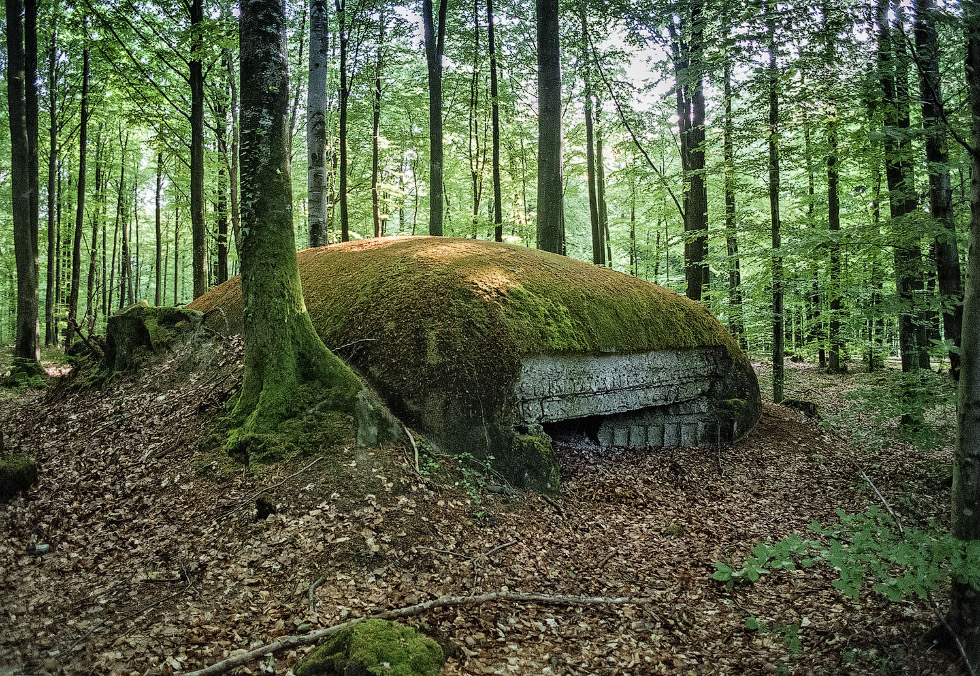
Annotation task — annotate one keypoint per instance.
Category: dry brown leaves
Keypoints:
(150, 574)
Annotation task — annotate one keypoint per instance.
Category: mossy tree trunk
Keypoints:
(282, 351)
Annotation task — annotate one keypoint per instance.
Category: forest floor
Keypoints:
(157, 565)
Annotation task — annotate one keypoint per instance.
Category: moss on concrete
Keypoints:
(374, 647)
(143, 329)
(440, 327)
(18, 472)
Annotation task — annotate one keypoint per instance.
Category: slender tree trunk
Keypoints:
(50, 297)
(435, 36)
(940, 189)
(600, 178)
(233, 171)
(735, 321)
(345, 80)
(777, 256)
(376, 136)
(76, 251)
(176, 254)
(598, 250)
(59, 293)
(221, 269)
(833, 221)
(316, 124)
(158, 223)
(198, 226)
(32, 111)
(93, 260)
(551, 220)
(498, 216)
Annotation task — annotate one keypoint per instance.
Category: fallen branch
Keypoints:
(959, 644)
(313, 637)
(252, 499)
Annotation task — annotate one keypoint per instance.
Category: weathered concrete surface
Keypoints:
(481, 345)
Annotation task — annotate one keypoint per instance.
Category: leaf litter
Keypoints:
(156, 565)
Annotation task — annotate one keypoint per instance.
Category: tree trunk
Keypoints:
(59, 292)
(221, 268)
(964, 614)
(550, 221)
(50, 298)
(498, 216)
(316, 125)
(26, 351)
(834, 364)
(598, 250)
(158, 223)
(345, 80)
(435, 37)
(282, 351)
(233, 171)
(198, 226)
(777, 256)
(91, 310)
(600, 186)
(76, 250)
(735, 320)
(940, 189)
(376, 136)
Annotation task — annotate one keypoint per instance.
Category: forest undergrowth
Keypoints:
(157, 564)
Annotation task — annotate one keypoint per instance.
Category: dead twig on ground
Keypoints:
(407, 611)
(252, 499)
(313, 587)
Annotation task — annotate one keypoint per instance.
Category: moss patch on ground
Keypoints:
(18, 472)
(374, 647)
(440, 326)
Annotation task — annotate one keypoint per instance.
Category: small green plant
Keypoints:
(786, 554)
(788, 633)
(868, 545)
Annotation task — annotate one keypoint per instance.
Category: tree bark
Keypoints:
(282, 351)
(198, 225)
(316, 125)
(498, 217)
(27, 350)
(50, 297)
(345, 82)
(233, 171)
(376, 132)
(735, 318)
(964, 614)
(940, 189)
(221, 267)
(76, 250)
(551, 220)
(158, 226)
(778, 334)
(91, 301)
(435, 36)
(598, 250)
(834, 364)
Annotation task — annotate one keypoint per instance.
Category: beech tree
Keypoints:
(282, 351)
(551, 219)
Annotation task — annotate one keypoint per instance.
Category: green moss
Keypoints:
(441, 326)
(18, 472)
(374, 647)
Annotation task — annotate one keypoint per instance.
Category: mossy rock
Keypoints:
(18, 472)
(374, 647)
(142, 329)
(463, 339)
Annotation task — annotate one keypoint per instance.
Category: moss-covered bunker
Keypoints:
(486, 347)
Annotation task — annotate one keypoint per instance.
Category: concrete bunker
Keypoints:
(486, 348)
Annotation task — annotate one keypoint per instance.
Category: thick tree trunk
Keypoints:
(964, 614)
(778, 333)
(498, 217)
(940, 189)
(50, 297)
(76, 250)
(282, 351)
(316, 125)
(198, 226)
(435, 36)
(551, 219)
(26, 351)
(735, 313)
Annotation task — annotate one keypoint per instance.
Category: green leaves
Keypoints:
(868, 546)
